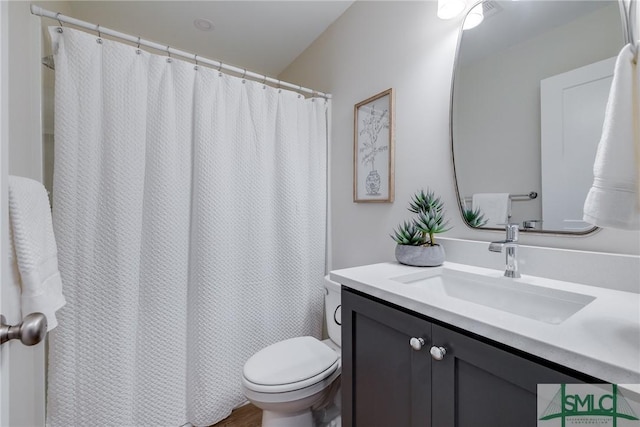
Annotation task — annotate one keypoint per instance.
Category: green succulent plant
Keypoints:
(425, 202)
(408, 234)
(429, 221)
(474, 217)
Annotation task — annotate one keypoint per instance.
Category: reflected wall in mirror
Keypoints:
(529, 92)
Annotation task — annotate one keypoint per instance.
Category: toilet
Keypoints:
(290, 378)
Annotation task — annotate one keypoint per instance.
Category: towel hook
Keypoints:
(627, 14)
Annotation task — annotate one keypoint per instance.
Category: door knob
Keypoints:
(438, 352)
(416, 343)
(30, 331)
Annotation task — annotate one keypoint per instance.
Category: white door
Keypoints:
(21, 368)
(572, 113)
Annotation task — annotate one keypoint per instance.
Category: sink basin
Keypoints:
(518, 297)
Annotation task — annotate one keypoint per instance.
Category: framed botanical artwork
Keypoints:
(373, 149)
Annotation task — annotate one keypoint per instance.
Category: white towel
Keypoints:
(495, 207)
(34, 250)
(613, 200)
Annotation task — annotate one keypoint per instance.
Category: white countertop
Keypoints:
(602, 339)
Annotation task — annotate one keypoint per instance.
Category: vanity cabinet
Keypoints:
(388, 383)
(384, 381)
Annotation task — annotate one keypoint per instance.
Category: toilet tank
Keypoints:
(333, 313)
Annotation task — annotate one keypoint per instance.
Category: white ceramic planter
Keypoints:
(420, 256)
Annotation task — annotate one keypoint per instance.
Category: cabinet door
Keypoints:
(478, 385)
(385, 383)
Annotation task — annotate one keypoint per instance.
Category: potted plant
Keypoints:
(416, 243)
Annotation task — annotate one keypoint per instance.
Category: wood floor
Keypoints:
(244, 416)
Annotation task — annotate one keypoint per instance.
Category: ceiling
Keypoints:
(262, 36)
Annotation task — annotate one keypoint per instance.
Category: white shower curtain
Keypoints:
(189, 209)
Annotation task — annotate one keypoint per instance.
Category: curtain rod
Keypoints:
(37, 10)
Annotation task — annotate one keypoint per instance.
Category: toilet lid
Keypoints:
(289, 361)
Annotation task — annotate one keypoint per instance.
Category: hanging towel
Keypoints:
(33, 249)
(496, 207)
(613, 200)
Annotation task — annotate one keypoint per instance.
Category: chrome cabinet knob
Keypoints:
(30, 331)
(438, 352)
(416, 343)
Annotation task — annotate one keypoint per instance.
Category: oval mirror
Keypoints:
(530, 87)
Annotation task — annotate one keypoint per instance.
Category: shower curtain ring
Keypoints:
(279, 87)
(195, 58)
(169, 54)
(99, 40)
(244, 74)
(138, 51)
(219, 68)
(264, 82)
(299, 90)
(59, 29)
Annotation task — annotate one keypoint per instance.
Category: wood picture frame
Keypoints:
(373, 149)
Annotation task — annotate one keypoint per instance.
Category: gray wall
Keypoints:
(374, 46)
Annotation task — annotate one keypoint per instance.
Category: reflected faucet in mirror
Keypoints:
(510, 243)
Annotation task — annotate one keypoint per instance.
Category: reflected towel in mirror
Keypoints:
(496, 207)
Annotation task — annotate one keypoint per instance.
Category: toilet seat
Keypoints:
(290, 365)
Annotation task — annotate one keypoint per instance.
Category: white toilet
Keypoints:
(290, 378)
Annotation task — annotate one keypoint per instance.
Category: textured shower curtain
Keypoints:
(189, 209)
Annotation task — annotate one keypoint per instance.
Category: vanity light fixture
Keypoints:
(448, 9)
(474, 18)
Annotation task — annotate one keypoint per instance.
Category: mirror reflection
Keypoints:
(529, 93)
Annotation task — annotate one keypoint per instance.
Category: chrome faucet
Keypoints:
(511, 243)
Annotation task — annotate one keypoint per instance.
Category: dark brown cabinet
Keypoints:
(388, 383)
